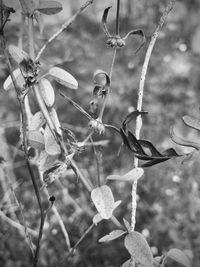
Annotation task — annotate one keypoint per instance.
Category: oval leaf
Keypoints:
(51, 146)
(17, 54)
(63, 77)
(37, 121)
(49, 7)
(36, 139)
(8, 84)
(179, 256)
(192, 122)
(27, 6)
(112, 236)
(103, 200)
(138, 247)
(127, 225)
(47, 92)
(132, 175)
(128, 264)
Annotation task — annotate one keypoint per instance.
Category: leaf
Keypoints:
(179, 256)
(128, 263)
(37, 121)
(101, 78)
(51, 146)
(54, 173)
(46, 161)
(63, 77)
(27, 6)
(8, 84)
(138, 247)
(125, 139)
(131, 116)
(17, 54)
(127, 225)
(49, 7)
(151, 147)
(154, 162)
(103, 200)
(97, 218)
(183, 142)
(112, 236)
(104, 21)
(36, 139)
(192, 122)
(134, 144)
(47, 92)
(132, 175)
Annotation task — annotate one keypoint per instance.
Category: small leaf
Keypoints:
(192, 122)
(8, 84)
(63, 77)
(97, 218)
(138, 247)
(112, 236)
(179, 256)
(17, 54)
(36, 139)
(104, 21)
(47, 92)
(46, 161)
(27, 6)
(151, 147)
(183, 142)
(49, 7)
(132, 175)
(154, 162)
(103, 200)
(37, 121)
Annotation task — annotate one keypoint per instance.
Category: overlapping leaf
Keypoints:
(47, 92)
(112, 236)
(17, 54)
(179, 256)
(8, 84)
(63, 77)
(138, 247)
(132, 175)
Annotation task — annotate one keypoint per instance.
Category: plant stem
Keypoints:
(64, 27)
(140, 100)
(117, 18)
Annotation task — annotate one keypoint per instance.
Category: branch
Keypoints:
(140, 99)
(64, 27)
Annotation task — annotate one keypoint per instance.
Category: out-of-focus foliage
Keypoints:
(168, 210)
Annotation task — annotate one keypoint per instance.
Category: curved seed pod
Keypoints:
(104, 22)
(192, 122)
(136, 32)
(47, 92)
(183, 142)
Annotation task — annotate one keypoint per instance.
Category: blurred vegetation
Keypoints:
(168, 210)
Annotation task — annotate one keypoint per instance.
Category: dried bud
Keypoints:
(97, 126)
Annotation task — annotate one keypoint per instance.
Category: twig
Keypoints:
(140, 100)
(64, 27)
(97, 162)
(17, 225)
(117, 18)
(65, 258)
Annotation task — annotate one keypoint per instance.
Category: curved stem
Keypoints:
(117, 17)
(140, 100)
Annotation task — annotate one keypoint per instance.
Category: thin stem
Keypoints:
(117, 18)
(30, 38)
(76, 245)
(110, 75)
(140, 100)
(64, 27)
(97, 162)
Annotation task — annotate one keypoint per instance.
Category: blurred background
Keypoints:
(168, 211)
